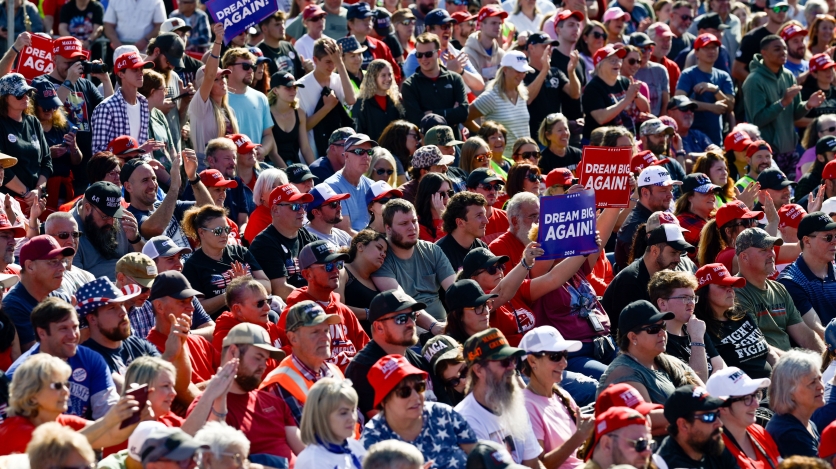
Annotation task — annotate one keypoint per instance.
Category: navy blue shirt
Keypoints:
(823, 416)
(322, 168)
(18, 304)
(792, 437)
(808, 291)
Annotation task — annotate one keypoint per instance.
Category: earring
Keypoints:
(635, 343)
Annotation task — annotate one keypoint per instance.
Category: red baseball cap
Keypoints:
(735, 210)
(18, 231)
(705, 39)
(462, 17)
(130, 60)
(491, 10)
(607, 51)
(43, 247)
(214, 178)
(289, 193)
(624, 395)
(757, 146)
(243, 143)
(561, 177)
(821, 62)
(829, 171)
(312, 11)
(718, 274)
(613, 419)
(566, 14)
(737, 140)
(790, 215)
(68, 47)
(124, 145)
(388, 372)
(791, 30)
(827, 442)
(645, 158)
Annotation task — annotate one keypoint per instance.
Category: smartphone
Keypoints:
(140, 394)
(73, 129)
(182, 96)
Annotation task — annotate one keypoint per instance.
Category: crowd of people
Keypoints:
(314, 244)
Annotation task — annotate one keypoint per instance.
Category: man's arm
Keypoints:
(8, 60)
(811, 318)
(804, 336)
(156, 223)
(281, 287)
(110, 34)
(386, 283)
(739, 71)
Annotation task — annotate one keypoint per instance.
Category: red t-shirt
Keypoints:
(263, 418)
(201, 355)
(601, 275)
(758, 434)
(227, 321)
(16, 432)
(425, 235)
(507, 244)
(497, 224)
(258, 221)
(169, 420)
(347, 338)
(516, 317)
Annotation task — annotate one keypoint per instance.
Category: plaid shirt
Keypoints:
(110, 120)
(142, 318)
(309, 374)
(199, 36)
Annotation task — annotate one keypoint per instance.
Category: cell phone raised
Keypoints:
(140, 394)
(187, 93)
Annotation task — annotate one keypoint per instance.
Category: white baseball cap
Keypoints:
(732, 382)
(516, 60)
(547, 339)
(174, 24)
(656, 176)
(829, 206)
(138, 437)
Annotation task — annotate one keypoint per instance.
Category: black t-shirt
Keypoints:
(742, 344)
(599, 95)
(80, 23)
(678, 44)
(25, 141)
(680, 347)
(284, 58)
(809, 87)
(455, 252)
(550, 161)
(279, 256)
(211, 277)
(189, 70)
(394, 45)
(751, 45)
(60, 165)
(549, 98)
(119, 359)
(675, 456)
(572, 108)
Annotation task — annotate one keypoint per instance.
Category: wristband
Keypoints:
(522, 261)
(15, 49)
(221, 416)
(432, 326)
(214, 56)
(697, 344)
(196, 180)
(136, 240)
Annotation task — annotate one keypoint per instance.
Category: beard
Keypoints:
(522, 234)
(712, 446)
(656, 148)
(397, 240)
(334, 220)
(116, 334)
(508, 404)
(103, 239)
(390, 338)
(425, 8)
(247, 380)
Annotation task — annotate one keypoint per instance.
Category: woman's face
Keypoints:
(742, 14)
(703, 204)
(18, 104)
(721, 298)
(353, 61)
(532, 186)
(382, 170)
(610, 67)
(559, 135)
(384, 80)
(209, 239)
(744, 414)
(651, 343)
(377, 210)
(404, 408)
(513, 78)
(594, 43)
(375, 251)
(219, 89)
(825, 33)
(475, 319)
(413, 139)
(51, 400)
(286, 93)
(809, 391)
(454, 372)
(529, 149)
(44, 115)
(545, 370)
(157, 98)
(487, 281)
(630, 65)
(625, 141)
(342, 421)
(664, 14)
(113, 176)
(161, 393)
(718, 173)
(405, 29)
(825, 76)
(497, 143)
(443, 192)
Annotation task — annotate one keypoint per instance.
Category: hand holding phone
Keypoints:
(140, 394)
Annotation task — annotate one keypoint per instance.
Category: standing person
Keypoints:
(662, 35)
(608, 94)
(360, 18)
(283, 56)
(81, 19)
(126, 112)
(379, 102)
(199, 39)
(351, 180)
(653, 75)
(314, 19)
(483, 48)
(62, 142)
(251, 107)
(776, 16)
(568, 25)
(821, 70)
(286, 114)
(550, 84)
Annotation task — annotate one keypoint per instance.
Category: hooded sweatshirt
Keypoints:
(487, 65)
(762, 94)
(227, 321)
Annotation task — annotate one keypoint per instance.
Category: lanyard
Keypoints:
(756, 445)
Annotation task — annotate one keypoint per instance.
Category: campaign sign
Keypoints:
(607, 170)
(35, 60)
(238, 15)
(567, 225)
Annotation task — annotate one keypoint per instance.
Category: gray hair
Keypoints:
(268, 179)
(57, 216)
(751, 130)
(219, 436)
(819, 6)
(393, 454)
(519, 200)
(788, 373)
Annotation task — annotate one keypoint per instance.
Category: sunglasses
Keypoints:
(826, 238)
(746, 222)
(707, 418)
(491, 187)
(406, 390)
(686, 17)
(362, 151)
(781, 9)
(383, 200)
(59, 386)
(553, 356)
(421, 55)
(246, 66)
(453, 382)
(295, 207)
(402, 318)
(481, 309)
(492, 270)
(506, 362)
(408, 22)
(332, 205)
(260, 303)
(329, 266)
(533, 177)
(654, 329)
(747, 400)
(829, 129)
(632, 61)
(641, 445)
(381, 171)
(447, 194)
(530, 155)
(219, 231)
(66, 235)
(599, 35)
(481, 158)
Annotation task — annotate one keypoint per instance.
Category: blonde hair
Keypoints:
(52, 443)
(144, 370)
(381, 153)
(33, 375)
(220, 111)
(328, 394)
(368, 87)
(548, 124)
(499, 84)
(268, 178)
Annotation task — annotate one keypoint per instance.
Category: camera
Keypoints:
(91, 67)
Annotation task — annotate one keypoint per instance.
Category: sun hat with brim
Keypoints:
(480, 258)
(388, 372)
(624, 395)
(731, 381)
(489, 344)
(718, 274)
(100, 292)
(466, 294)
(547, 339)
(638, 314)
(607, 51)
(7, 161)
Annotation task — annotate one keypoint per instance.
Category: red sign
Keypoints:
(607, 170)
(35, 60)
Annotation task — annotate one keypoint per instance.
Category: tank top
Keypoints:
(359, 295)
(287, 143)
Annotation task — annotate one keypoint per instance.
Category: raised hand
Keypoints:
(129, 225)
(532, 252)
(189, 163)
(749, 193)
(123, 409)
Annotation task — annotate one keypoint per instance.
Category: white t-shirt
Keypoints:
(829, 373)
(304, 46)
(488, 427)
(134, 19)
(134, 119)
(337, 237)
(310, 94)
(318, 456)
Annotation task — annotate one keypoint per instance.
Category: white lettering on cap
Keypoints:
(389, 367)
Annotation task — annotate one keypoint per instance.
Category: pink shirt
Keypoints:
(552, 423)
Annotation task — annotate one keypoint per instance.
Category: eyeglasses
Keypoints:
(66, 235)
(332, 205)
(491, 187)
(829, 129)
(237, 458)
(532, 177)
(746, 222)
(361, 151)
(530, 155)
(686, 299)
(115, 173)
(103, 215)
(381, 171)
(553, 356)
(707, 418)
(484, 308)
(408, 22)
(219, 231)
(447, 194)
(421, 55)
(295, 207)
(453, 382)
(383, 201)
(260, 303)
(826, 238)
(747, 400)
(406, 390)
(59, 385)
(246, 66)
(506, 362)
(481, 157)
(632, 61)
(781, 9)
(647, 48)
(599, 35)
(654, 329)
(329, 266)
(641, 445)
(403, 318)
(471, 23)
(492, 270)
(413, 135)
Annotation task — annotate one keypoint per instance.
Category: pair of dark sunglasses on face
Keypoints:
(553, 356)
(497, 186)
(533, 177)
(405, 390)
(492, 270)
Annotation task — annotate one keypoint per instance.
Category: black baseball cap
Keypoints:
(390, 301)
(541, 38)
(682, 103)
(480, 258)
(431, 120)
(284, 79)
(640, 39)
(688, 399)
(437, 17)
(129, 167)
(172, 284)
(480, 176)
(320, 252)
(774, 179)
(825, 144)
(466, 294)
(638, 314)
(489, 454)
(711, 21)
(171, 46)
(813, 222)
(105, 196)
(297, 173)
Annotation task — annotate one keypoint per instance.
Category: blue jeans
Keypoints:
(583, 361)
(581, 388)
(269, 460)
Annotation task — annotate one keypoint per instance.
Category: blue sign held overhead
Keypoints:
(567, 225)
(238, 15)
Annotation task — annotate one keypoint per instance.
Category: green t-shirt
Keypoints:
(773, 308)
(114, 461)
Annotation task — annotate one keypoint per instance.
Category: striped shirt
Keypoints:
(514, 117)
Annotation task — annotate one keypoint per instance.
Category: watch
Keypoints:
(67, 84)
